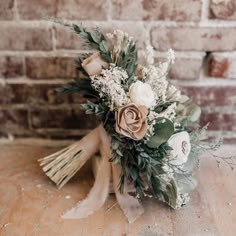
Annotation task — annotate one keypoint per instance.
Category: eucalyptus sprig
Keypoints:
(100, 110)
(82, 86)
(94, 40)
(127, 59)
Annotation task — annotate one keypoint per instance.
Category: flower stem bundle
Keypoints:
(61, 166)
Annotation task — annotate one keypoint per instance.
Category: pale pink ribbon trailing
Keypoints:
(100, 190)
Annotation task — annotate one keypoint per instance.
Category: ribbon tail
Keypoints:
(129, 205)
(99, 192)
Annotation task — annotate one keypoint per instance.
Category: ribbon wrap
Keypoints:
(100, 190)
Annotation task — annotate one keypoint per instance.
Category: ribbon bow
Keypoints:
(96, 140)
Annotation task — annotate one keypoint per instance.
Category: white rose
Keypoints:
(141, 94)
(180, 143)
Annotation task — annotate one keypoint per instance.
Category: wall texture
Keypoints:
(37, 56)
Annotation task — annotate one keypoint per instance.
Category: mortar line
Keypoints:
(165, 23)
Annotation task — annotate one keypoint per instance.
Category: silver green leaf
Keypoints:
(163, 129)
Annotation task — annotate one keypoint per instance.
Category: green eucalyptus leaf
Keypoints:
(84, 35)
(133, 174)
(103, 46)
(96, 36)
(170, 195)
(163, 129)
(106, 57)
(77, 28)
(154, 183)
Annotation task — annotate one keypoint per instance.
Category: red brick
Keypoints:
(178, 10)
(30, 94)
(50, 67)
(222, 65)
(212, 95)
(219, 121)
(11, 66)
(36, 9)
(25, 37)
(82, 10)
(186, 68)
(223, 9)
(11, 119)
(194, 38)
(36, 94)
(6, 10)
(67, 39)
(62, 118)
(124, 9)
(64, 9)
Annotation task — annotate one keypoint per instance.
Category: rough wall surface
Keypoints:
(37, 56)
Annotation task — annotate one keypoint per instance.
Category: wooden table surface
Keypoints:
(31, 205)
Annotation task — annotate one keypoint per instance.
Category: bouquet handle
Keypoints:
(62, 166)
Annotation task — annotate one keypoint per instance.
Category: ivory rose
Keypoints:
(131, 121)
(141, 94)
(94, 64)
(181, 147)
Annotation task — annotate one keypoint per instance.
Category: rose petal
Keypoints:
(123, 123)
(129, 117)
(135, 127)
(139, 135)
(144, 111)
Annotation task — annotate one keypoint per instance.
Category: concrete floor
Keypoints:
(31, 205)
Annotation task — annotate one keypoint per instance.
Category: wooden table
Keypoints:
(31, 205)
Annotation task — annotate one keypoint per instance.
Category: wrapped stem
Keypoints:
(61, 166)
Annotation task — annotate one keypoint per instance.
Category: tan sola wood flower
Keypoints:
(94, 64)
(131, 121)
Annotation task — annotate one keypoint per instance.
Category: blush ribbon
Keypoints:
(100, 190)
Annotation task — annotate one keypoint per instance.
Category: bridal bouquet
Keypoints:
(148, 139)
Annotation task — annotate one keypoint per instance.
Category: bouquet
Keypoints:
(149, 138)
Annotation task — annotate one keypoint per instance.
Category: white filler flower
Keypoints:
(180, 143)
(141, 94)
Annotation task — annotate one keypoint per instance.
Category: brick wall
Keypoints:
(37, 56)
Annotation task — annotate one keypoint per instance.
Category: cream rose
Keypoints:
(94, 64)
(131, 121)
(180, 143)
(141, 94)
